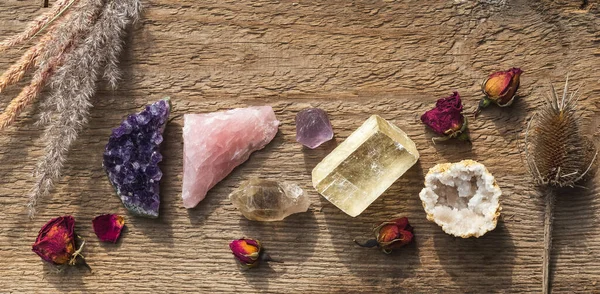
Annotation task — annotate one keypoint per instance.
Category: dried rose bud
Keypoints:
(108, 227)
(391, 235)
(500, 88)
(248, 252)
(446, 119)
(56, 242)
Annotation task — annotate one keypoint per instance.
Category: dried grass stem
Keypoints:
(37, 25)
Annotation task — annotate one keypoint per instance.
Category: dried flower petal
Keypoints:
(108, 227)
(446, 118)
(56, 240)
(246, 251)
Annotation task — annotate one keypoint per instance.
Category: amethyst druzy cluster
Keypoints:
(132, 155)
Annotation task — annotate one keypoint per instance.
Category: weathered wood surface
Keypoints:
(354, 59)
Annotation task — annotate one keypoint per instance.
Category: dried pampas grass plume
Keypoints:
(16, 71)
(82, 44)
(36, 26)
(66, 110)
(558, 154)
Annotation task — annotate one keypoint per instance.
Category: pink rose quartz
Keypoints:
(215, 143)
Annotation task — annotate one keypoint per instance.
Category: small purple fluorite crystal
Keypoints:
(132, 155)
(313, 127)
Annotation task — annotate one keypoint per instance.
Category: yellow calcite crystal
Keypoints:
(362, 167)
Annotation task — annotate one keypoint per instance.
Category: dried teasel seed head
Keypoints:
(557, 152)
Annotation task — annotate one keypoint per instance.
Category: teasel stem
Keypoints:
(548, 219)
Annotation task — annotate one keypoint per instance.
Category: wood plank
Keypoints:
(354, 59)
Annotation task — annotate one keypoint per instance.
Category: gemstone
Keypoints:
(313, 127)
(215, 143)
(132, 155)
(266, 200)
(362, 167)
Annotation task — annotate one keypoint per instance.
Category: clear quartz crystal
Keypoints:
(264, 200)
(362, 167)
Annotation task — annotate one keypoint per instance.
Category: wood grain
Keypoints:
(353, 59)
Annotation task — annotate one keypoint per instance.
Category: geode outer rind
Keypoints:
(132, 155)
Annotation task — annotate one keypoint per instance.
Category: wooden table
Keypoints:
(353, 59)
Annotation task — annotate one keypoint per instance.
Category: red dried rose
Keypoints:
(391, 235)
(500, 88)
(56, 241)
(108, 227)
(248, 252)
(446, 119)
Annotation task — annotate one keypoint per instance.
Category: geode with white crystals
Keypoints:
(132, 155)
(462, 198)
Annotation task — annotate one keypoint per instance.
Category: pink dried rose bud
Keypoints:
(108, 227)
(55, 242)
(248, 252)
(446, 119)
(500, 88)
(391, 235)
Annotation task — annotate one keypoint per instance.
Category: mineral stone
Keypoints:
(265, 200)
(132, 155)
(362, 167)
(462, 198)
(313, 127)
(215, 143)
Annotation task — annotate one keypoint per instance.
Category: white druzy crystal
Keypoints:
(462, 198)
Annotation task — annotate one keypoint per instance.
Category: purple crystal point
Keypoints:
(313, 127)
(132, 155)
